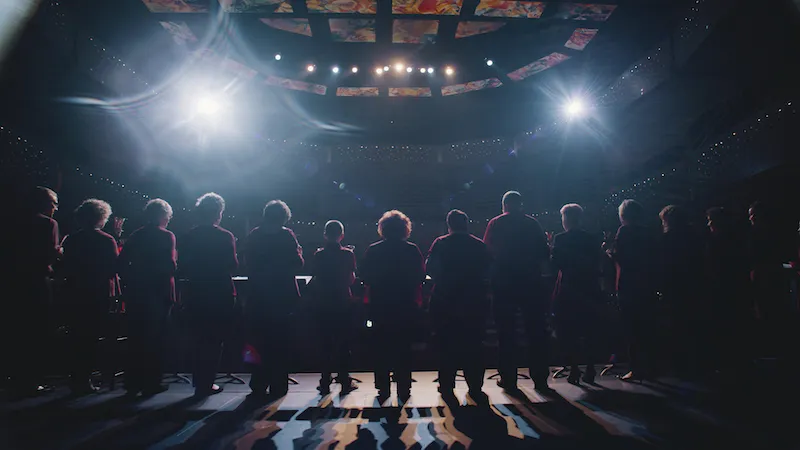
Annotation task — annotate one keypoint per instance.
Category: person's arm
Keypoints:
(169, 264)
(366, 269)
(352, 272)
(233, 260)
(419, 274)
(488, 237)
(558, 256)
(540, 242)
(110, 254)
(433, 262)
(296, 261)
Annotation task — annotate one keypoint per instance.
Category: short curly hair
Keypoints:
(394, 225)
(156, 210)
(92, 213)
(277, 212)
(631, 211)
(673, 217)
(209, 207)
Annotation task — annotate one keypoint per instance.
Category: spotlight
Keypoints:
(335, 69)
(207, 105)
(354, 69)
(409, 69)
(398, 67)
(575, 108)
(430, 69)
(379, 71)
(310, 68)
(489, 62)
(385, 68)
(277, 56)
(421, 70)
(448, 70)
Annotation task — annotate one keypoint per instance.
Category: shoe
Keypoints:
(155, 390)
(574, 378)
(325, 389)
(348, 387)
(383, 395)
(541, 386)
(215, 389)
(507, 386)
(478, 396)
(631, 377)
(589, 376)
(403, 396)
(83, 388)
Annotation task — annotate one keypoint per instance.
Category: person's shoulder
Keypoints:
(223, 231)
(105, 236)
(411, 245)
(561, 236)
(439, 239)
(45, 220)
(376, 245)
(288, 232)
(475, 240)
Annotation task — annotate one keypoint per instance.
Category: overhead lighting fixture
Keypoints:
(575, 108)
(385, 68)
(208, 105)
(354, 69)
(379, 71)
(430, 69)
(335, 69)
(310, 68)
(448, 70)
(398, 67)
(489, 62)
(421, 70)
(409, 69)
(277, 56)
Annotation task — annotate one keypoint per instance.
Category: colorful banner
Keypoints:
(582, 11)
(180, 32)
(537, 66)
(342, 6)
(502, 8)
(436, 7)
(410, 92)
(176, 6)
(455, 89)
(580, 38)
(415, 31)
(297, 26)
(256, 6)
(357, 92)
(352, 30)
(466, 29)
(296, 85)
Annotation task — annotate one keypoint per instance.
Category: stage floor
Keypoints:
(611, 414)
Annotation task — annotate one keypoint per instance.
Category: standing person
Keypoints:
(683, 287)
(333, 272)
(393, 270)
(577, 256)
(29, 255)
(635, 253)
(147, 266)
(519, 248)
(458, 263)
(206, 259)
(89, 263)
(273, 258)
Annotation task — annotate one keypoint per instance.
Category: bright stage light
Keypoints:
(379, 71)
(385, 68)
(575, 108)
(207, 105)
(277, 56)
(421, 70)
(430, 69)
(448, 71)
(489, 62)
(354, 69)
(398, 67)
(310, 68)
(409, 69)
(335, 69)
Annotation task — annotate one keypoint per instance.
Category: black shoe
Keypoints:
(155, 390)
(325, 389)
(83, 388)
(506, 386)
(348, 387)
(541, 385)
(215, 389)
(589, 377)
(573, 378)
(384, 394)
(478, 396)
(403, 395)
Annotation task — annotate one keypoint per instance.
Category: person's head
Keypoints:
(457, 221)
(92, 214)
(571, 216)
(334, 231)
(631, 212)
(673, 217)
(759, 214)
(44, 201)
(276, 214)
(394, 225)
(209, 208)
(719, 220)
(158, 212)
(512, 202)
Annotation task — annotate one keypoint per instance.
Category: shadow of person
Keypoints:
(481, 424)
(365, 440)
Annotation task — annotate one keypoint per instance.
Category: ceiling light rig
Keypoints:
(354, 69)
(311, 68)
(334, 69)
(399, 67)
(489, 62)
(277, 56)
(421, 70)
(430, 70)
(385, 68)
(449, 70)
(409, 69)
(379, 71)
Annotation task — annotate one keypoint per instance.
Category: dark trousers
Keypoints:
(460, 342)
(87, 324)
(639, 317)
(210, 323)
(334, 331)
(528, 299)
(272, 338)
(392, 339)
(27, 331)
(147, 331)
(576, 333)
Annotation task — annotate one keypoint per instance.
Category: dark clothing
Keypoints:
(519, 247)
(147, 266)
(273, 258)
(459, 265)
(393, 270)
(636, 254)
(89, 264)
(207, 259)
(577, 258)
(333, 271)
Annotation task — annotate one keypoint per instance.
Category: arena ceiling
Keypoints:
(542, 53)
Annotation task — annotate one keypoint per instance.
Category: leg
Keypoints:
(207, 350)
(536, 329)
(471, 354)
(445, 342)
(504, 312)
(381, 347)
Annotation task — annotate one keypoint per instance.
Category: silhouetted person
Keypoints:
(333, 272)
(519, 248)
(459, 263)
(147, 265)
(273, 258)
(636, 256)
(393, 270)
(683, 287)
(30, 251)
(729, 288)
(90, 269)
(576, 256)
(206, 259)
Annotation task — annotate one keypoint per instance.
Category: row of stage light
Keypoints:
(398, 67)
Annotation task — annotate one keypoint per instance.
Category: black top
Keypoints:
(459, 265)
(636, 256)
(206, 258)
(394, 271)
(273, 258)
(89, 264)
(33, 248)
(147, 264)
(333, 271)
(683, 269)
(519, 247)
(576, 256)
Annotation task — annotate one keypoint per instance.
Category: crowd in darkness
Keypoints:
(717, 286)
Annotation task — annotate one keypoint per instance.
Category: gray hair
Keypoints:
(209, 207)
(92, 213)
(631, 211)
(572, 213)
(156, 210)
